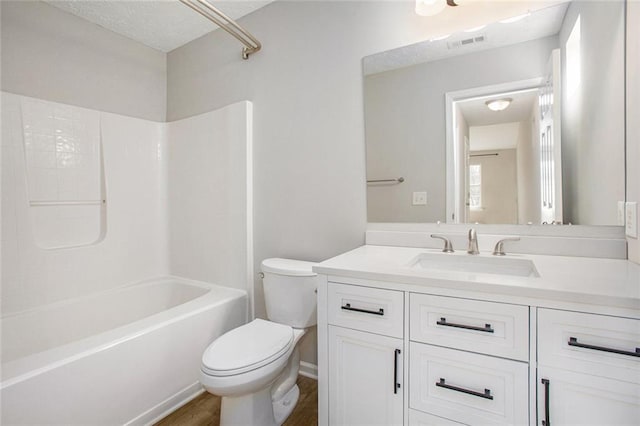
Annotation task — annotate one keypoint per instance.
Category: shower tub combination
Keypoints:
(126, 356)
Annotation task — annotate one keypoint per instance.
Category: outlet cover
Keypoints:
(631, 219)
(419, 198)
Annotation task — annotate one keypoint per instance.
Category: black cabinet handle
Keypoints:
(486, 394)
(487, 327)
(546, 421)
(573, 341)
(347, 307)
(396, 385)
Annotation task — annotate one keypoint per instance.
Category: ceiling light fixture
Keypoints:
(432, 7)
(498, 104)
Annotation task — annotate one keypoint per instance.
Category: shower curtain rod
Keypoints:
(204, 8)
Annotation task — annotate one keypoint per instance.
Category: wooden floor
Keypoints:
(205, 409)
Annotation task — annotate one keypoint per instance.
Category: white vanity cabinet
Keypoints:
(415, 346)
(467, 359)
(588, 369)
(366, 355)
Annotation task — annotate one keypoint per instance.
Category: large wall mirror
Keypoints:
(518, 122)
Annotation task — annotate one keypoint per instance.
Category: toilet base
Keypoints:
(251, 409)
(283, 407)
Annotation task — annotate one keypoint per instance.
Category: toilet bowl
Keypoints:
(254, 367)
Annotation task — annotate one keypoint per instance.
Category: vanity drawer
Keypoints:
(498, 329)
(590, 343)
(368, 309)
(468, 388)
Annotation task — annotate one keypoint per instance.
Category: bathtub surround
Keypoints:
(135, 244)
(210, 184)
(191, 227)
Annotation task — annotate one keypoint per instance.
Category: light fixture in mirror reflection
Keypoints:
(554, 155)
(498, 104)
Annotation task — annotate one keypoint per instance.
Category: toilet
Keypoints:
(254, 367)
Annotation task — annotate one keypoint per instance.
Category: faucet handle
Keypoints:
(448, 247)
(499, 248)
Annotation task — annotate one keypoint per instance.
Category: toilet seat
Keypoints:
(247, 348)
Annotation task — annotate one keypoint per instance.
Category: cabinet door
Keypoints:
(569, 398)
(365, 378)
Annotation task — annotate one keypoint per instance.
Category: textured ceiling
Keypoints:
(541, 23)
(161, 24)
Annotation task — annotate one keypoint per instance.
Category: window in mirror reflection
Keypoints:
(475, 186)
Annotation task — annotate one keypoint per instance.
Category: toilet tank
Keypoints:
(290, 292)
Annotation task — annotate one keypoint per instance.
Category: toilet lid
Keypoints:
(246, 348)
(290, 267)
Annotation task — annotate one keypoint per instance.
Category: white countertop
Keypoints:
(594, 281)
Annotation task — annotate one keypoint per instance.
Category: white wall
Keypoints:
(135, 244)
(499, 187)
(53, 55)
(210, 198)
(593, 117)
(633, 112)
(405, 112)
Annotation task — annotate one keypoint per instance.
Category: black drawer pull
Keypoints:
(487, 327)
(396, 385)
(547, 420)
(573, 341)
(486, 394)
(347, 307)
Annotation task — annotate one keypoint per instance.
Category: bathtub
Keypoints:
(126, 356)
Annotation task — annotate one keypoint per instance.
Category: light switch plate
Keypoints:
(631, 219)
(419, 198)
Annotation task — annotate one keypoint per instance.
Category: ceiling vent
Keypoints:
(467, 42)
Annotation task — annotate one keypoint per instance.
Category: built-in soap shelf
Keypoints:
(64, 173)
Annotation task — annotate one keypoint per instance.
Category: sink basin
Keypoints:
(475, 264)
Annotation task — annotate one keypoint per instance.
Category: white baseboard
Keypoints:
(167, 406)
(308, 370)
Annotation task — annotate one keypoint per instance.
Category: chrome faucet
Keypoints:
(473, 242)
